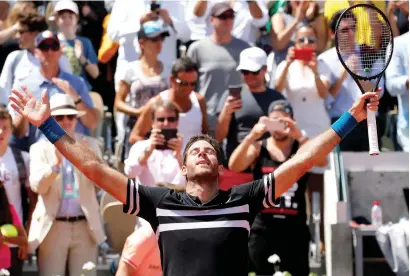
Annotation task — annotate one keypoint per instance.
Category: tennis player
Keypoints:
(202, 231)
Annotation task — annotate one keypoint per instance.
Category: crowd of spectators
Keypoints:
(170, 70)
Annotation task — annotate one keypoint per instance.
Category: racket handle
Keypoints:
(372, 133)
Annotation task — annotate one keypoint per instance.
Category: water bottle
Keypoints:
(377, 215)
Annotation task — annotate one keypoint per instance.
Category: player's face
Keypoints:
(201, 162)
(346, 34)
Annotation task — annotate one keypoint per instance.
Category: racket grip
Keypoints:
(372, 133)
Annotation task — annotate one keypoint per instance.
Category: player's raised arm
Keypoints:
(313, 151)
(82, 157)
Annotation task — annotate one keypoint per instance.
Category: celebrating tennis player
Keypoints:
(203, 231)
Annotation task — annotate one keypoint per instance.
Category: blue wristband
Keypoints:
(52, 130)
(344, 125)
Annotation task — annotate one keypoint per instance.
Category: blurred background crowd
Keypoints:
(136, 79)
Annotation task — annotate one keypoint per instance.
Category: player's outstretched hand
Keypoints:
(27, 106)
(369, 100)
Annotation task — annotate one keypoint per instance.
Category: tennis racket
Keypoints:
(364, 45)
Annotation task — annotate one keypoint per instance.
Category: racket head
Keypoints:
(364, 41)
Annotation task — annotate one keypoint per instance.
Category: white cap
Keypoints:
(66, 5)
(63, 104)
(252, 59)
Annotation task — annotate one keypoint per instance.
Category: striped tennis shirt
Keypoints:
(202, 239)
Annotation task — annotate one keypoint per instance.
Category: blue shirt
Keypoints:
(88, 52)
(36, 83)
(349, 90)
(397, 73)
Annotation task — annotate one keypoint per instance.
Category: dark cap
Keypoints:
(152, 29)
(220, 8)
(281, 105)
(46, 35)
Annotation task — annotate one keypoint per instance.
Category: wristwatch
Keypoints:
(79, 100)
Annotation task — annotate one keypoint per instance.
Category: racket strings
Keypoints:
(364, 40)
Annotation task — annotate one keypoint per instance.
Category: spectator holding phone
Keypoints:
(308, 93)
(159, 158)
(273, 231)
(241, 107)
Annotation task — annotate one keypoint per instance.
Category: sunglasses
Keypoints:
(185, 83)
(61, 117)
(226, 16)
(347, 29)
(308, 39)
(169, 119)
(247, 72)
(157, 38)
(53, 46)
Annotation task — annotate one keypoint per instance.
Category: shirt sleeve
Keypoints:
(82, 90)
(143, 200)
(260, 22)
(132, 166)
(6, 77)
(396, 75)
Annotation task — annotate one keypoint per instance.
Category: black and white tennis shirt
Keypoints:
(202, 239)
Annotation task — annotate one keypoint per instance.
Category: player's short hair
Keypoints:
(203, 137)
(34, 21)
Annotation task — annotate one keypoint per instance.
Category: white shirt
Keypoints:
(27, 64)
(161, 166)
(125, 22)
(9, 174)
(245, 26)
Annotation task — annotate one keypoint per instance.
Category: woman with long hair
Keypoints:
(143, 79)
(13, 250)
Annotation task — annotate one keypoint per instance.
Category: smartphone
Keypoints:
(235, 91)
(168, 133)
(304, 54)
(272, 124)
(155, 6)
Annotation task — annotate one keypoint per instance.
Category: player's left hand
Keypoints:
(369, 100)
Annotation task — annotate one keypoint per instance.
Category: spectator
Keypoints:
(68, 204)
(285, 23)
(13, 250)
(141, 255)
(217, 70)
(14, 190)
(273, 231)
(250, 16)
(310, 92)
(21, 63)
(126, 18)
(158, 159)
(78, 50)
(397, 82)
(398, 15)
(143, 79)
(343, 90)
(191, 105)
(50, 78)
(237, 115)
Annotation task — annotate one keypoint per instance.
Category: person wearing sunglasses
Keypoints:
(21, 63)
(193, 119)
(143, 79)
(67, 205)
(159, 158)
(237, 114)
(51, 78)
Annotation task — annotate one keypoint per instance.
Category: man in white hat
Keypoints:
(246, 106)
(66, 226)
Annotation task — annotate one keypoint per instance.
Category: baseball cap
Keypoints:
(252, 59)
(63, 5)
(46, 35)
(63, 104)
(220, 8)
(281, 105)
(152, 29)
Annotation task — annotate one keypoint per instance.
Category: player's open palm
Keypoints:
(27, 106)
